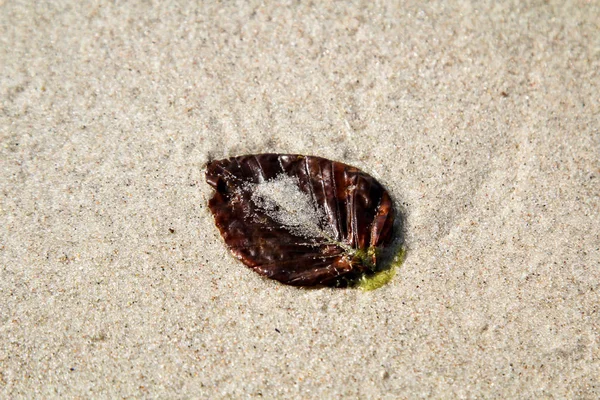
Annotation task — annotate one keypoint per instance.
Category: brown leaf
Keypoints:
(301, 220)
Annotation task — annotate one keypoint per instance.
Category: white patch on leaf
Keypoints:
(282, 200)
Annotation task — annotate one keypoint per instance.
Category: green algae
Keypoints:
(383, 277)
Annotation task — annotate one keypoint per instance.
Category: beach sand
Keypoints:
(482, 121)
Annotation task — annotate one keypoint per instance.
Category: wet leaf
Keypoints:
(301, 220)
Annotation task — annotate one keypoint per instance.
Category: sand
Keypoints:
(482, 120)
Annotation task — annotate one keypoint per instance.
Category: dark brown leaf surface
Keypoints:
(301, 220)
